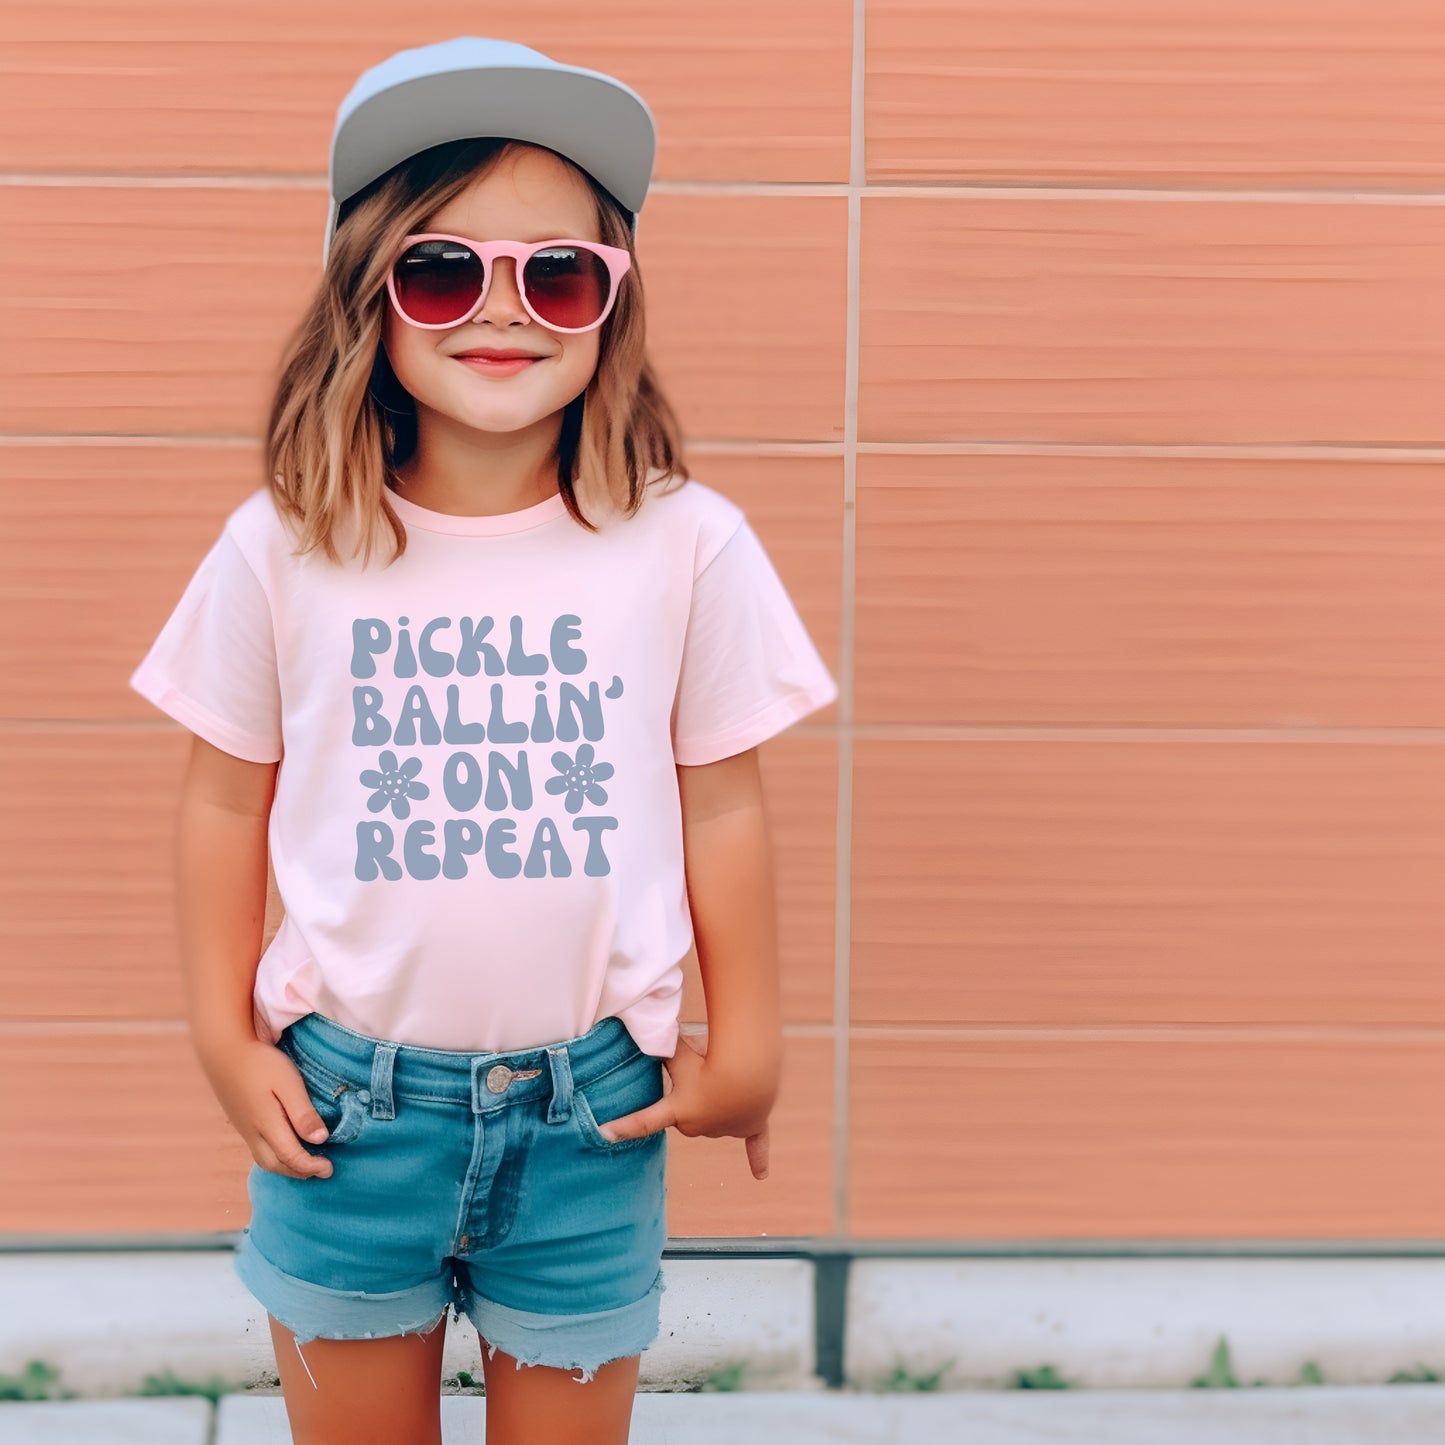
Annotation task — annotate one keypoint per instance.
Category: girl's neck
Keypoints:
(466, 481)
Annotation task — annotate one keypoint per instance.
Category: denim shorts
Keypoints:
(479, 1182)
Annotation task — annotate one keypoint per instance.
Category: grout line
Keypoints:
(1111, 732)
(1305, 1032)
(19, 1027)
(843, 848)
(848, 732)
(1229, 451)
(1026, 190)
(856, 185)
(830, 1273)
(1204, 1032)
(724, 446)
(1003, 447)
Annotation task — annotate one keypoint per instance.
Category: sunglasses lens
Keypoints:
(567, 286)
(438, 282)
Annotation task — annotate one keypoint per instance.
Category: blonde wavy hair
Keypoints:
(340, 422)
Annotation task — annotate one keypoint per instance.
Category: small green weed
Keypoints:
(37, 1382)
(1220, 1374)
(465, 1380)
(725, 1377)
(1045, 1377)
(902, 1380)
(169, 1383)
(1419, 1375)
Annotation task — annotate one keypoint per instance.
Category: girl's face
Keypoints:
(529, 195)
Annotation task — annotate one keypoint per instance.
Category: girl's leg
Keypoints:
(542, 1403)
(363, 1392)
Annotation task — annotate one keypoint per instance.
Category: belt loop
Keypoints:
(560, 1063)
(382, 1104)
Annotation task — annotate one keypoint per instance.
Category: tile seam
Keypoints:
(1227, 451)
(892, 190)
(843, 845)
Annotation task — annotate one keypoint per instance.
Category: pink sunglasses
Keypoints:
(566, 285)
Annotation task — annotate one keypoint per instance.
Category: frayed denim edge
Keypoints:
(554, 1331)
(257, 1272)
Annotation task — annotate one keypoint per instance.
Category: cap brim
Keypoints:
(333, 207)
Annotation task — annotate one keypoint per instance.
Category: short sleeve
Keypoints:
(749, 668)
(213, 665)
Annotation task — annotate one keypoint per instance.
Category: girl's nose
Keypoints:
(504, 300)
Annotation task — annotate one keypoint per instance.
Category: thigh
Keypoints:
(362, 1392)
(543, 1403)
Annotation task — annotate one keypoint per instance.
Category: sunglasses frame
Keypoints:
(617, 258)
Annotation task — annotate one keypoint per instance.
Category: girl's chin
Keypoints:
(502, 417)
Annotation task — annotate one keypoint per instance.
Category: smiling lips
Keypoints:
(483, 353)
(498, 363)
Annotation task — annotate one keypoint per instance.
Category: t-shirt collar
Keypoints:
(413, 515)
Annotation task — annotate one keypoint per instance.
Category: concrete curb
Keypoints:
(1142, 1323)
(108, 1319)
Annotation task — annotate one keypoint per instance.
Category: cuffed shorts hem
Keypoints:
(311, 1311)
(569, 1342)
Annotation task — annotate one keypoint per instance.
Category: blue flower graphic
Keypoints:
(580, 778)
(393, 784)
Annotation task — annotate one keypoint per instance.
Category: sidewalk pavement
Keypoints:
(1305, 1415)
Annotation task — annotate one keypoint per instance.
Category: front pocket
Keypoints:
(334, 1098)
(624, 1090)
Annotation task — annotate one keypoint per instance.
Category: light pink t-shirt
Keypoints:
(477, 832)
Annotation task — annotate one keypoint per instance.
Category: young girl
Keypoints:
(506, 770)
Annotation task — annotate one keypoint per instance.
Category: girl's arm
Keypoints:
(221, 868)
(221, 914)
(730, 889)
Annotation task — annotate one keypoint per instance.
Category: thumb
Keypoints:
(306, 1121)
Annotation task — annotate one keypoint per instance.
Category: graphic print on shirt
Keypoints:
(423, 742)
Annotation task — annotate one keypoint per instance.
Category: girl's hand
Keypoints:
(700, 1102)
(266, 1100)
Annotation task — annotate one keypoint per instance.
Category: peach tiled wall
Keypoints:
(1079, 363)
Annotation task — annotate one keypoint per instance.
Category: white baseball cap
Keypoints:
(474, 86)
